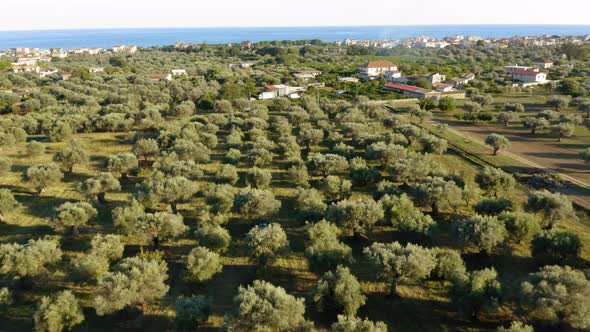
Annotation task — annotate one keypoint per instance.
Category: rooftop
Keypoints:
(405, 87)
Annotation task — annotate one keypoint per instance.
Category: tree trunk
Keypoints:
(156, 243)
(393, 289)
(74, 231)
(174, 207)
(434, 207)
(101, 198)
(124, 176)
(495, 152)
(40, 191)
(70, 169)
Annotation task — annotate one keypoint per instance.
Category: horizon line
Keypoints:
(294, 26)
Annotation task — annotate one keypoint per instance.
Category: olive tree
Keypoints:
(556, 246)
(478, 291)
(310, 203)
(506, 117)
(42, 176)
(58, 312)
(558, 102)
(256, 203)
(146, 148)
(258, 178)
(71, 155)
(494, 181)
(520, 226)
(121, 163)
(355, 216)
(535, 124)
(213, 236)
(436, 193)
(554, 208)
(266, 242)
(134, 281)
(171, 190)
(402, 213)
(557, 295)
(30, 260)
(585, 155)
(7, 203)
(355, 324)
(449, 264)
(35, 149)
(497, 142)
(484, 232)
(323, 248)
(156, 227)
(265, 307)
(396, 263)
(563, 130)
(339, 291)
(99, 186)
(70, 216)
(203, 264)
(191, 312)
(516, 327)
(326, 164)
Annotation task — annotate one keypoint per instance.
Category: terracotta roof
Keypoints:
(160, 76)
(542, 61)
(526, 72)
(271, 87)
(405, 87)
(379, 64)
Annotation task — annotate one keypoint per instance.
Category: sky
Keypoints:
(80, 14)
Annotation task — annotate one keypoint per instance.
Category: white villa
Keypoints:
(529, 76)
(178, 72)
(374, 69)
(274, 91)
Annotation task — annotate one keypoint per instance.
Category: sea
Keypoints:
(146, 37)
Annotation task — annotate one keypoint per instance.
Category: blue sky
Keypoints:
(67, 14)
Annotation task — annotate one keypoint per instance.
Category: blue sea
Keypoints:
(168, 36)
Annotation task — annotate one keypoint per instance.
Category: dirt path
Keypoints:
(535, 151)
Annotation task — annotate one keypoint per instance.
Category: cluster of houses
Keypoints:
(467, 42)
(406, 84)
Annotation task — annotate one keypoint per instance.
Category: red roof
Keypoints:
(271, 87)
(379, 64)
(526, 72)
(405, 87)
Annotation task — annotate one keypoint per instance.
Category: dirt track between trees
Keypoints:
(539, 151)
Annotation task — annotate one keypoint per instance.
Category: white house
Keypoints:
(93, 70)
(307, 75)
(529, 76)
(124, 49)
(178, 72)
(374, 69)
(436, 78)
(47, 72)
(543, 63)
(274, 91)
